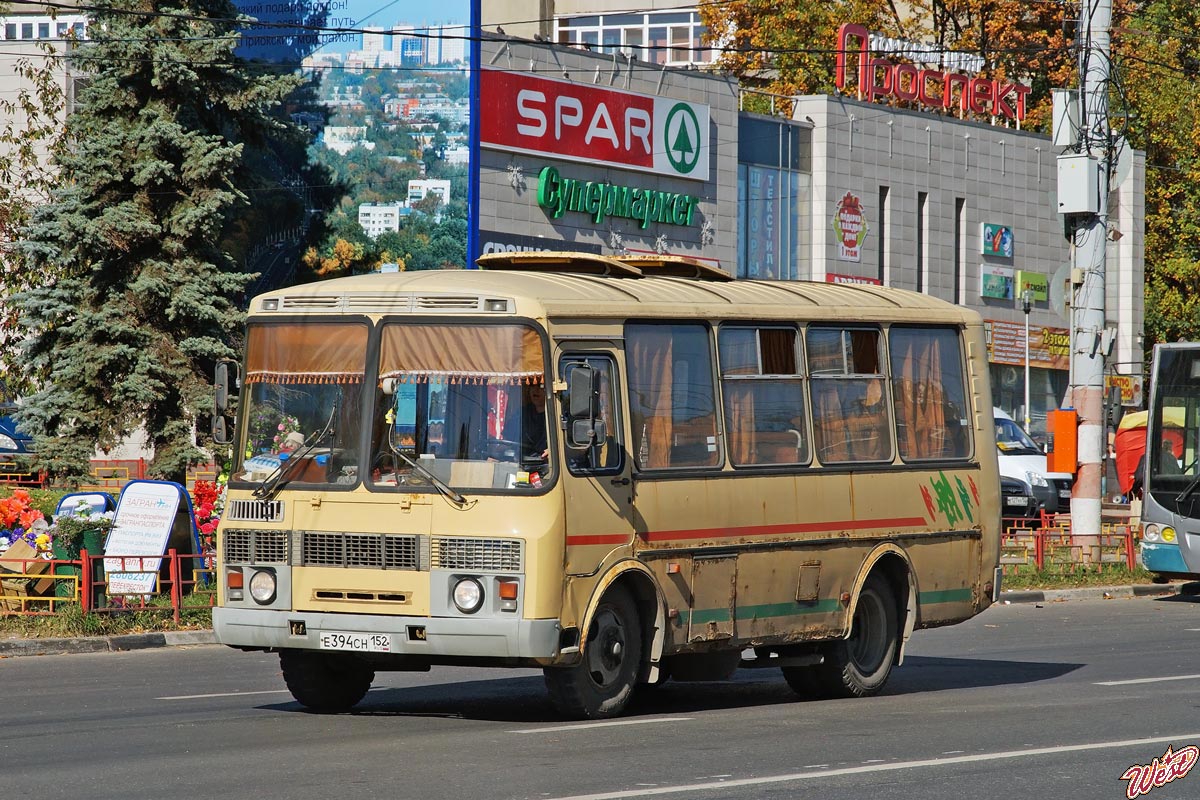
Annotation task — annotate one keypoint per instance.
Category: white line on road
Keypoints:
(589, 725)
(1148, 680)
(898, 765)
(222, 694)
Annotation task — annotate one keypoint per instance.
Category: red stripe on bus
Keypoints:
(607, 538)
(755, 530)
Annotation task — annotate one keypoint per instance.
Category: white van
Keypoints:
(1021, 458)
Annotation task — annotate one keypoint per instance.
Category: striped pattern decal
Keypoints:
(703, 616)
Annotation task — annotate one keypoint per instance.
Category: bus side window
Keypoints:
(851, 422)
(765, 417)
(609, 456)
(929, 393)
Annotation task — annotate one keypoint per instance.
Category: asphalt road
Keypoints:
(1056, 700)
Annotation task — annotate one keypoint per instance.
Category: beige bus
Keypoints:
(621, 471)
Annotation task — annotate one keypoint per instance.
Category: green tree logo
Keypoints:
(681, 138)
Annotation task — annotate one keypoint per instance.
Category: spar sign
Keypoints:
(850, 226)
(597, 125)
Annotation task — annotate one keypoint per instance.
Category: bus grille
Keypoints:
(477, 555)
(254, 511)
(371, 550)
(254, 547)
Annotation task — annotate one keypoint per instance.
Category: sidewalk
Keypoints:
(143, 641)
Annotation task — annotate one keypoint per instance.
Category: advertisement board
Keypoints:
(525, 113)
(1049, 347)
(996, 240)
(995, 282)
(1036, 282)
(850, 225)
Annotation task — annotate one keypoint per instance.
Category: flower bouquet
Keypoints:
(19, 522)
(82, 528)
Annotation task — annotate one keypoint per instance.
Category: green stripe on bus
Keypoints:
(703, 616)
(946, 596)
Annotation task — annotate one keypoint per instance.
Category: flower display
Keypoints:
(19, 521)
(66, 533)
(208, 501)
(268, 429)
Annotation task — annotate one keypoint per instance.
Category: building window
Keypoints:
(659, 37)
(774, 180)
(27, 30)
(43, 30)
(960, 250)
(884, 273)
(922, 239)
(10, 30)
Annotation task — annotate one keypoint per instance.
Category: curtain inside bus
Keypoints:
(312, 353)
(494, 354)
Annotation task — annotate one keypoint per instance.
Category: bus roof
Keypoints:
(543, 292)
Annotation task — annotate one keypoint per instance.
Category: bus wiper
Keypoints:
(1187, 490)
(274, 482)
(442, 488)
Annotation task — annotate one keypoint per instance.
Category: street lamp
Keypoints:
(1026, 301)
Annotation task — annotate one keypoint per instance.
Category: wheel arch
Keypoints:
(894, 565)
(636, 578)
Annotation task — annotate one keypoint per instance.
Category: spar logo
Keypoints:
(591, 124)
(1173, 764)
(681, 136)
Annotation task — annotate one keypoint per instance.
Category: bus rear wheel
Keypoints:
(323, 682)
(601, 684)
(858, 666)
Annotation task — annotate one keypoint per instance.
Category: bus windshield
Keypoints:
(460, 404)
(1175, 420)
(304, 402)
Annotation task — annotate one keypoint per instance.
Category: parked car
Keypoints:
(13, 443)
(1021, 458)
(1018, 499)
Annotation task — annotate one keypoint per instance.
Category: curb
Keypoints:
(1095, 593)
(103, 644)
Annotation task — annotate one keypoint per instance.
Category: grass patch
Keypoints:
(1108, 575)
(68, 620)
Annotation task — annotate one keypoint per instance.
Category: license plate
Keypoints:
(1017, 501)
(358, 642)
(1065, 494)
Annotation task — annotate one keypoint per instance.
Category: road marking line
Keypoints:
(1148, 680)
(897, 765)
(222, 694)
(588, 725)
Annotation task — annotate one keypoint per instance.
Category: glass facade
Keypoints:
(774, 196)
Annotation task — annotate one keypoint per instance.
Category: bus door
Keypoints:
(596, 479)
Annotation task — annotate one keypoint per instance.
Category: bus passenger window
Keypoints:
(929, 393)
(672, 396)
(765, 418)
(851, 422)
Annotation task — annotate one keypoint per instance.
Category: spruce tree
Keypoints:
(142, 293)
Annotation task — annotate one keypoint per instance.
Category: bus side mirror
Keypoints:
(584, 429)
(222, 398)
(219, 433)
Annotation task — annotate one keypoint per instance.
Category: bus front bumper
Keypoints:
(1163, 558)
(427, 637)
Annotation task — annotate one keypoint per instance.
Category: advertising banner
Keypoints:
(1130, 386)
(837, 277)
(1037, 284)
(762, 239)
(500, 242)
(527, 113)
(1049, 348)
(141, 527)
(997, 240)
(995, 282)
(850, 226)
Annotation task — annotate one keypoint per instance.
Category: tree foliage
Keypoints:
(165, 148)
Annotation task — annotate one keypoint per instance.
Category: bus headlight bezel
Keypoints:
(467, 595)
(263, 586)
(1168, 535)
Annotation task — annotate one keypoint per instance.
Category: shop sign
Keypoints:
(1049, 348)
(558, 195)
(995, 282)
(500, 242)
(933, 88)
(1037, 284)
(837, 277)
(593, 124)
(997, 240)
(762, 238)
(850, 226)
(1130, 386)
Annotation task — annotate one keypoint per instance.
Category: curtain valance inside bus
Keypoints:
(495, 354)
(306, 354)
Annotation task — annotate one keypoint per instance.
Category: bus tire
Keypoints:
(858, 666)
(325, 683)
(602, 683)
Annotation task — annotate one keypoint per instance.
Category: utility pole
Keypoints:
(1088, 324)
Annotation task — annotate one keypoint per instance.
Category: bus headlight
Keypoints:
(468, 595)
(1168, 534)
(262, 586)
(1151, 533)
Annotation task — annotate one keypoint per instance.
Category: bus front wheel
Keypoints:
(323, 682)
(858, 666)
(601, 684)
